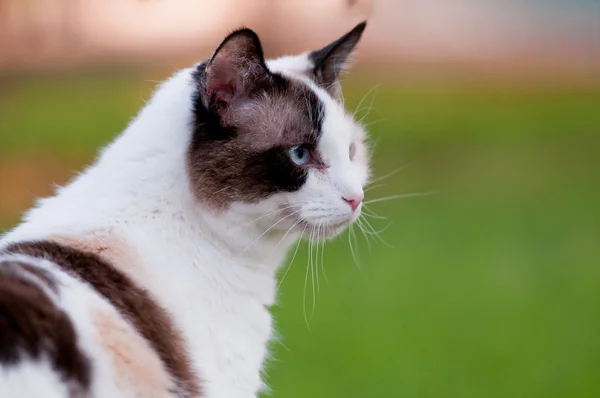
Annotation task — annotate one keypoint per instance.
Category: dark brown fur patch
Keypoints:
(43, 275)
(109, 246)
(30, 323)
(133, 302)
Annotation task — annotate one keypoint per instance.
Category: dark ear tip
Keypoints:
(356, 33)
(245, 39)
(243, 31)
(358, 30)
(360, 27)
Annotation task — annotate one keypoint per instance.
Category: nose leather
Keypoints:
(354, 201)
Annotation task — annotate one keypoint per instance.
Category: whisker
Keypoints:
(312, 274)
(383, 119)
(323, 261)
(361, 226)
(352, 237)
(386, 176)
(317, 256)
(370, 226)
(402, 196)
(372, 215)
(373, 142)
(369, 109)
(291, 262)
(268, 214)
(377, 234)
(372, 187)
(371, 212)
(304, 294)
(363, 98)
(268, 229)
(284, 236)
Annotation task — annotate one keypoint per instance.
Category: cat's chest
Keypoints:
(230, 350)
(228, 337)
(223, 317)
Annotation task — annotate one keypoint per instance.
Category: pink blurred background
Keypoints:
(532, 38)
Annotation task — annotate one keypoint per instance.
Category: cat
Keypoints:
(150, 273)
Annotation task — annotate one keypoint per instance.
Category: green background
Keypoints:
(488, 288)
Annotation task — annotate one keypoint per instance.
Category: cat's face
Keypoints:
(272, 139)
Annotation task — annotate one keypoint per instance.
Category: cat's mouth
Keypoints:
(323, 230)
(316, 227)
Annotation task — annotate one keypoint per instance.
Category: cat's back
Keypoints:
(38, 346)
(73, 325)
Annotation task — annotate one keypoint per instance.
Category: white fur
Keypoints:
(32, 379)
(213, 272)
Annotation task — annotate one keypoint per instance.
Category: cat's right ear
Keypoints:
(236, 70)
(332, 59)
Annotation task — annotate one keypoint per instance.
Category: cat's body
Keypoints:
(148, 276)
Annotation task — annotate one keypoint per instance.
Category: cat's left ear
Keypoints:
(332, 59)
(236, 71)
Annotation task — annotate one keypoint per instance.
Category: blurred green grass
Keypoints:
(489, 288)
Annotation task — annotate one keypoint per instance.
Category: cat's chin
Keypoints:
(324, 232)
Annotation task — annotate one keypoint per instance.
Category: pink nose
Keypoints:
(354, 201)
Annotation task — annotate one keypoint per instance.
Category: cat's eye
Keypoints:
(352, 150)
(299, 155)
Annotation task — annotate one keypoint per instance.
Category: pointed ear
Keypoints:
(236, 70)
(331, 60)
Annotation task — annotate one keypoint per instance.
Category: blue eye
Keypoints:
(300, 155)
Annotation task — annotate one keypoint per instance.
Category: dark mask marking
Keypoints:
(241, 138)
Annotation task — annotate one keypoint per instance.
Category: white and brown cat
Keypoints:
(148, 274)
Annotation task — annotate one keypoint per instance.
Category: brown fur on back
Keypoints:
(136, 365)
(31, 324)
(135, 304)
(108, 245)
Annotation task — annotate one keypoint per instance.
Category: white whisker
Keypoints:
(304, 293)
(376, 233)
(323, 261)
(363, 98)
(374, 122)
(291, 262)
(267, 230)
(386, 176)
(317, 255)
(369, 109)
(366, 236)
(312, 274)
(278, 210)
(284, 236)
(402, 196)
(372, 187)
(351, 238)
(366, 212)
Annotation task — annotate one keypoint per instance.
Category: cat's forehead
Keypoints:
(298, 112)
(292, 114)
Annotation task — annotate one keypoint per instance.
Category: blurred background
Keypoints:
(488, 288)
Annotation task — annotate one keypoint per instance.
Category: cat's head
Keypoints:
(272, 138)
